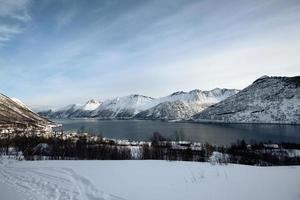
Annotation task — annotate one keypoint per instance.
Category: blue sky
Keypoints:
(56, 52)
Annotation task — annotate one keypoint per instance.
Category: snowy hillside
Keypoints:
(267, 100)
(14, 115)
(167, 110)
(19, 102)
(122, 107)
(64, 112)
(73, 110)
(201, 97)
(146, 180)
(179, 105)
(183, 105)
(91, 105)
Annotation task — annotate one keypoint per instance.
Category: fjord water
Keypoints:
(220, 134)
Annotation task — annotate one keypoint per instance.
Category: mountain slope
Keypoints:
(64, 112)
(209, 97)
(183, 105)
(122, 107)
(91, 105)
(73, 110)
(167, 110)
(14, 115)
(267, 100)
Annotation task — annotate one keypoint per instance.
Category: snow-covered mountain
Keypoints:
(73, 110)
(267, 100)
(64, 112)
(167, 110)
(179, 105)
(122, 107)
(183, 105)
(91, 105)
(15, 116)
(199, 96)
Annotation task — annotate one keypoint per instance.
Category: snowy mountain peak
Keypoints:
(140, 96)
(177, 93)
(91, 105)
(217, 90)
(195, 91)
(70, 107)
(92, 101)
(128, 100)
(262, 77)
(122, 107)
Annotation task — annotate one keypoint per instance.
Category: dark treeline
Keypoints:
(163, 149)
(34, 147)
(239, 153)
(159, 148)
(262, 153)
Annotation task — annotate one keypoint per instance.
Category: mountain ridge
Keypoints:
(267, 100)
(15, 115)
(128, 107)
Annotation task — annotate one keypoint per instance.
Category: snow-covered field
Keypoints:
(145, 180)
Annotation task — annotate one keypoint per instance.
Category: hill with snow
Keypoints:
(167, 110)
(18, 101)
(72, 110)
(183, 105)
(15, 115)
(267, 100)
(122, 107)
(91, 105)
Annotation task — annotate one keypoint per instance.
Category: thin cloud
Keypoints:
(17, 9)
(13, 14)
(75, 50)
(8, 31)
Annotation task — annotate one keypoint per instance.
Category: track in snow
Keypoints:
(50, 183)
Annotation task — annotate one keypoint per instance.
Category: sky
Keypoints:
(57, 52)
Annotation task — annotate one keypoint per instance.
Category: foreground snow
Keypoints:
(142, 180)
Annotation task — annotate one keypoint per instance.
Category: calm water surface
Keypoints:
(212, 133)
